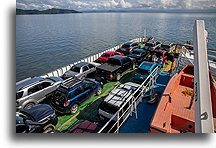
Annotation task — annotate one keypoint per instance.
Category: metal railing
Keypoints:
(60, 71)
(122, 114)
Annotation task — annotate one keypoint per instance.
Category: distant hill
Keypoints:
(48, 11)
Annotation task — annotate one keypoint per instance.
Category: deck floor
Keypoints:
(145, 111)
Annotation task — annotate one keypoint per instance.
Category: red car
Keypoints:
(84, 126)
(104, 58)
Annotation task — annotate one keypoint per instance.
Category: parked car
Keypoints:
(32, 91)
(104, 57)
(80, 70)
(144, 70)
(152, 44)
(114, 67)
(116, 99)
(72, 93)
(40, 118)
(127, 47)
(168, 46)
(84, 126)
(158, 55)
(139, 55)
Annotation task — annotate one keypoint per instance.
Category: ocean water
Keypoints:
(47, 42)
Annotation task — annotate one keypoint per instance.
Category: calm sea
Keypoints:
(47, 42)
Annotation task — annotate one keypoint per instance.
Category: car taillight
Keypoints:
(129, 48)
(152, 45)
(111, 76)
(66, 104)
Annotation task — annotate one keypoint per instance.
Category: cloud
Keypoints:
(116, 4)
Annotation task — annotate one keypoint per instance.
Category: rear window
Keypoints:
(60, 96)
(149, 45)
(136, 52)
(125, 46)
(165, 46)
(108, 108)
(114, 61)
(75, 69)
(19, 95)
(142, 71)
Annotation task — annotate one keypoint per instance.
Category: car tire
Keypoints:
(99, 91)
(48, 128)
(28, 105)
(74, 108)
(118, 77)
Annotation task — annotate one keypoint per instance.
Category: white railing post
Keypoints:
(203, 107)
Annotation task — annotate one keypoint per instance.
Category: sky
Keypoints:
(115, 4)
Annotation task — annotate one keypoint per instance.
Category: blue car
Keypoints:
(72, 93)
(144, 70)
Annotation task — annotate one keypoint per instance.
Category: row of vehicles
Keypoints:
(75, 87)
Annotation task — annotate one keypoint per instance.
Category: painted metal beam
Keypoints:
(203, 107)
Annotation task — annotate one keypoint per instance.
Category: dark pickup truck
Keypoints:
(114, 67)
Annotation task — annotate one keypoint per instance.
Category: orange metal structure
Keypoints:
(175, 112)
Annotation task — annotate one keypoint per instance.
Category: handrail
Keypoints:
(89, 59)
(143, 88)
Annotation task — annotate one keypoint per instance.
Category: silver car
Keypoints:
(80, 70)
(34, 90)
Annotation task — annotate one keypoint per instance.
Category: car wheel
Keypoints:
(28, 105)
(99, 91)
(118, 77)
(74, 108)
(48, 128)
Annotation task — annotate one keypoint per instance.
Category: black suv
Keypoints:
(139, 55)
(40, 118)
(127, 47)
(114, 67)
(72, 93)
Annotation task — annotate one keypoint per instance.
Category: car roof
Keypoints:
(84, 126)
(152, 41)
(118, 57)
(121, 93)
(81, 64)
(128, 43)
(139, 50)
(110, 52)
(71, 83)
(21, 85)
(146, 65)
(167, 43)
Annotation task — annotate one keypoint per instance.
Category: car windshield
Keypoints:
(19, 95)
(108, 108)
(75, 69)
(136, 52)
(142, 71)
(105, 55)
(126, 46)
(165, 46)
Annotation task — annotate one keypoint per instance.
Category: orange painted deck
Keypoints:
(175, 112)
